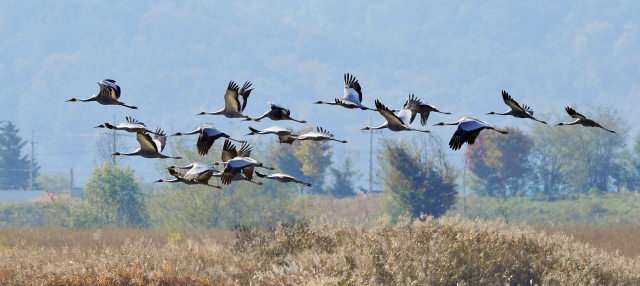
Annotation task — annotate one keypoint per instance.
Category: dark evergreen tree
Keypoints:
(344, 180)
(418, 176)
(15, 168)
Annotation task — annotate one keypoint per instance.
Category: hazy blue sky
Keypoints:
(175, 59)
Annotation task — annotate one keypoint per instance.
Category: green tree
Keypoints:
(305, 160)
(417, 175)
(549, 157)
(502, 162)
(15, 168)
(54, 183)
(114, 196)
(343, 180)
(595, 156)
(176, 205)
(576, 159)
(631, 176)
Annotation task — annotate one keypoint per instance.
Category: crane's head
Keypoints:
(73, 99)
(441, 124)
(177, 134)
(172, 167)
(116, 154)
(201, 113)
(559, 124)
(159, 181)
(492, 112)
(100, 126)
(366, 128)
(318, 102)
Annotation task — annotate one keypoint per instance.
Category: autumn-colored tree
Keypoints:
(417, 175)
(500, 161)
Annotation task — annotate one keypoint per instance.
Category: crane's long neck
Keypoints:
(192, 132)
(258, 118)
(221, 111)
(503, 113)
(577, 121)
(384, 125)
(185, 167)
(198, 130)
(93, 98)
(134, 153)
(324, 102)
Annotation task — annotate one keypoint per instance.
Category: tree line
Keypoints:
(416, 172)
(555, 160)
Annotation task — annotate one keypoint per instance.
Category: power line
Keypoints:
(64, 153)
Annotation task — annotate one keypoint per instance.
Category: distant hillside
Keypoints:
(174, 59)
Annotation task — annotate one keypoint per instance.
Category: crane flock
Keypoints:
(239, 166)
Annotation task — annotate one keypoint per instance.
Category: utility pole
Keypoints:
(71, 187)
(464, 176)
(370, 156)
(31, 163)
(113, 158)
(464, 188)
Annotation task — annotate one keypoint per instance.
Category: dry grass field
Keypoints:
(353, 209)
(621, 239)
(446, 251)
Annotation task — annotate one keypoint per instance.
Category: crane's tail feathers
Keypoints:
(130, 106)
